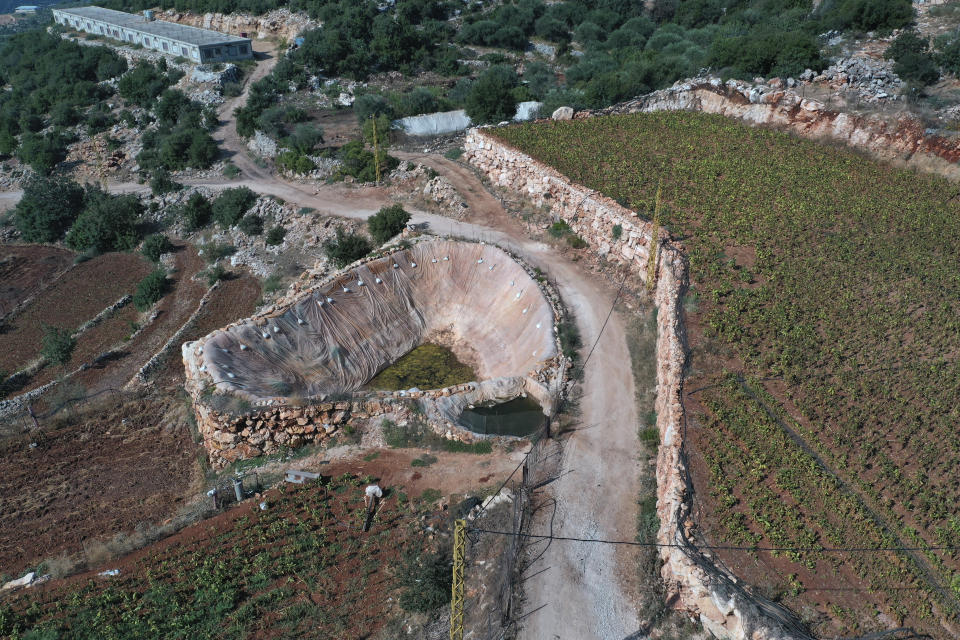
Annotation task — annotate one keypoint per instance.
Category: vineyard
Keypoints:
(824, 326)
(301, 568)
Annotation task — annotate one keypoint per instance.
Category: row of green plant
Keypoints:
(826, 271)
(300, 567)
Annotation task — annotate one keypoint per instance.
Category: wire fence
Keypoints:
(498, 617)
(41, 412)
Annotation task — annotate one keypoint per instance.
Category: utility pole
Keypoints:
(654, 241)
(376, 147)
(456, 602)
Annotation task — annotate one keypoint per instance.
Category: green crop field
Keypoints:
(302, 568)
(824, 325)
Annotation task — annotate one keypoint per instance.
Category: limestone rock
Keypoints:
(563, 113)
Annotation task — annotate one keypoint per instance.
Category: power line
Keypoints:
(634, 543)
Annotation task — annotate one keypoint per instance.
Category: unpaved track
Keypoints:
(574, 591)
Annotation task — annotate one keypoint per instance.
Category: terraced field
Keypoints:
(824, 324)
(301, 568)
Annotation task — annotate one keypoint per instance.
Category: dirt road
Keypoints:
(574, 591)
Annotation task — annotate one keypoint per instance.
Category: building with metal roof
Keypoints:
(199, 45)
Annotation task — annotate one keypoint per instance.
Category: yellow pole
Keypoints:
(654, 241)
(376, 148)
(456, 602)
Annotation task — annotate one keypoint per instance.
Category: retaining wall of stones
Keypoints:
(240, 430)
(703, 590)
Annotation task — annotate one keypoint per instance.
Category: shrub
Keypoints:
(42, 152)
(913, 60)
(379, 126)
(107, 222)
(425, 581)
(491, 97)
(576, 241)
(295, 162)
(161, 183)
(617, 231)
(305, 138)
(387, 222)
(231, 204)
(57, 344)
(346, 247)
(867, 15)
(918, 68)
(419, 100)
(453, 154)
(275, 236)
(213, 251)
(215, 274)
(47, 208)
(369, 105)
(187, 147)
(273, 283)
(155, 246)
(767, 52)
(948, 52)
(196, 212)
(150, 290)
(231, 170)
(559, 229)
(143, 83)
(251, 224)
(232, 89)
(361, 164)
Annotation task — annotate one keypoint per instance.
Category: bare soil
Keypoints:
(26, 269)
(101, 470)
(76, 297)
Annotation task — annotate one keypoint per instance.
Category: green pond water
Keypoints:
(429, 366)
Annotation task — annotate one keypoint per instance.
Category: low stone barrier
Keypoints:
(704, 591)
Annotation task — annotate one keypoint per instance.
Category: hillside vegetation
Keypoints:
(60, 91)
(607, 51)
(824, 315)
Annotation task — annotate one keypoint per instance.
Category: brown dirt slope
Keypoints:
(101, 471)
(77, 296)
(24, 270)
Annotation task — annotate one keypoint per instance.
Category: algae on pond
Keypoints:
(428, 366)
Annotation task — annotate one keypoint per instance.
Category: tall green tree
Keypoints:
(107, 222)
(47, 208)
(491, 97)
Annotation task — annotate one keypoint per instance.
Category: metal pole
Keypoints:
(376, 148)
(456, 601)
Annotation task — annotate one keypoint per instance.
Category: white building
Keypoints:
(198, 45)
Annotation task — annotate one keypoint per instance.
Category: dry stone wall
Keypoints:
(705, 592)
(233, 429)
(898, 138)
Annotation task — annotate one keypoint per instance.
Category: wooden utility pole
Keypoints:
(456, 601)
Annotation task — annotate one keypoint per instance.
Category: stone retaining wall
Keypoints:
(900, 138)
(266, 425)
(704, 591)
